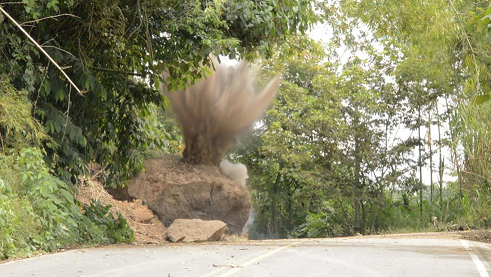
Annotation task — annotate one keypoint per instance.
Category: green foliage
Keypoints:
(325, 137)
(115, 52)
(38, 210)
(327, 150)
(17, 128)
(449, 60)
(323, 161)
(104, 228)
(49, 197)
(332, 220)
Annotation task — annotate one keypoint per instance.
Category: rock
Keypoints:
(174, 190)
(191, 230)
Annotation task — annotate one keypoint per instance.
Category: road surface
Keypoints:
(341, 257)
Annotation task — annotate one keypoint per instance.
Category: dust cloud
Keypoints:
(237, 172)
(215, 110)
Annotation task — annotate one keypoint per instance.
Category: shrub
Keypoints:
(38, 210)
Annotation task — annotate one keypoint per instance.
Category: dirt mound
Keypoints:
(147, 227)
(478, 235)
(173, 190)
(195, 230)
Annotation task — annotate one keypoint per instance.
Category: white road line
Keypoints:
(235, 270)
(480, 266)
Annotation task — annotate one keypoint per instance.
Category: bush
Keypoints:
(38, 211)
(333, 219)
(103, 228)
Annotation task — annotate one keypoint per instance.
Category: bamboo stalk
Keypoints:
(40, 49)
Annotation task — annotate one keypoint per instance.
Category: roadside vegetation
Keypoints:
(400, 90)
(113, 113)
(397, 88)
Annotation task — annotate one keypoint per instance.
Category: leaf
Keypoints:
(481, 99)
(60, 95)
(103, 93)
(68, 196)
(46, 87)
(53, 4)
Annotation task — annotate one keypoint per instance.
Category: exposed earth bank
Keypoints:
(170, 189)
(173, 190)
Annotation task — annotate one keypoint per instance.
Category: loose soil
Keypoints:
(147, 227)
(478, 235)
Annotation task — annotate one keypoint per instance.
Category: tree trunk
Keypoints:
(430, 143)
(440, 160)
(274, 218)
(363, 217)
(454, 155)
(290, 204)
(357, 228)
(374, 219)
(357, 183)
(420, 164)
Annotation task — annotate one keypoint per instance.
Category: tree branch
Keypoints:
(117, 71)
(40, 49)
(49, 17)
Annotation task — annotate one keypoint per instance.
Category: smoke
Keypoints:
(213, 111)
(237, 172)
(250, 222)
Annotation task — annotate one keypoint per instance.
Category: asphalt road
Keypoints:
(401, 255)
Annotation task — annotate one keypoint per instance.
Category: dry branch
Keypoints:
(40, 49)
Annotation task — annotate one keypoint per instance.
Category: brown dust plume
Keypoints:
(212, 112)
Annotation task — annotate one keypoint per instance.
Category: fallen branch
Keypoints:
(41, 49)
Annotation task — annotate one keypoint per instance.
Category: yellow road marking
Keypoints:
(224, 268)
(258, 258)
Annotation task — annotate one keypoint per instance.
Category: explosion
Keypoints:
(215, 110)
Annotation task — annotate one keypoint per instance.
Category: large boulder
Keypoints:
(173, 190)
(191, 230)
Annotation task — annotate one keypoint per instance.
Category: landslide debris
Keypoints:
(147, 227)
(174, 190)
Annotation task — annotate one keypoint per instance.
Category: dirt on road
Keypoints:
(174, 190)
(149, 229)
(478, 235)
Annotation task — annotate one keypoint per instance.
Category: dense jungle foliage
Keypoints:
(400, 91)
(396, 89)
(114, 52)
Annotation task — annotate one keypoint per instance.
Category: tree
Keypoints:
(115, 52)
(326, 138)
(439, 65)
